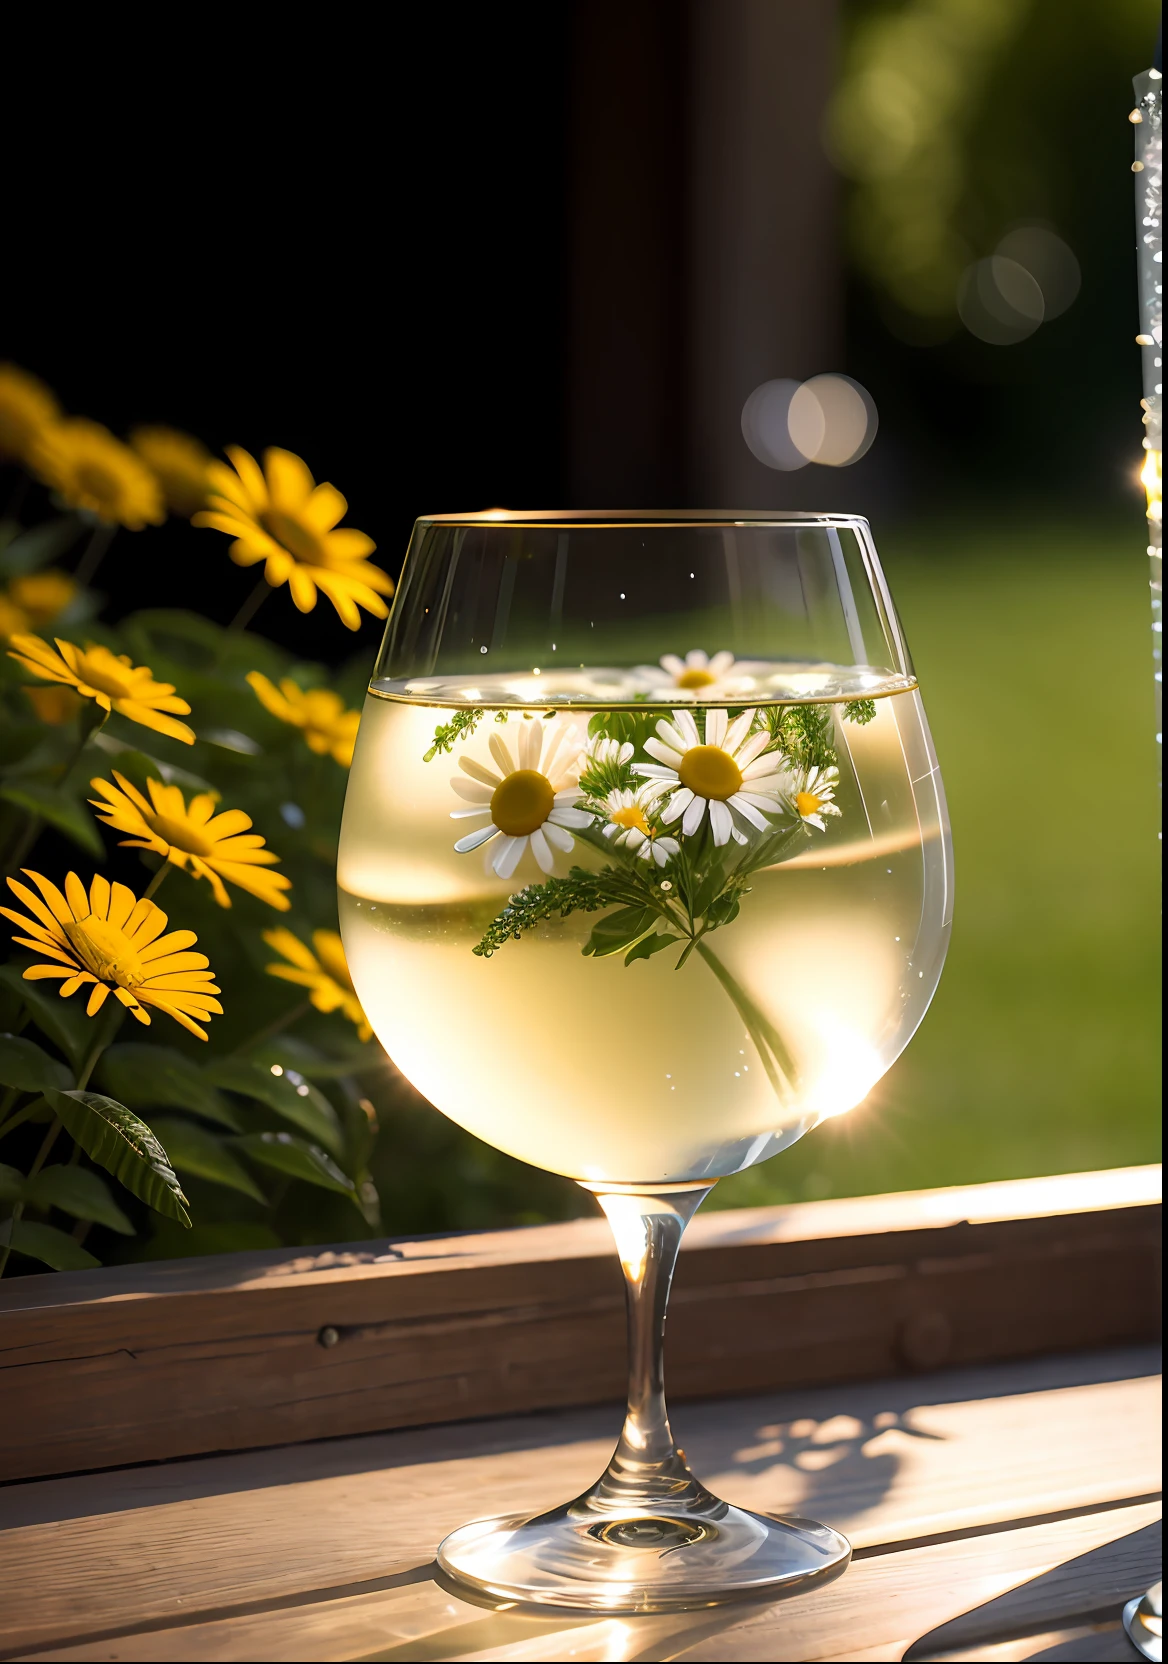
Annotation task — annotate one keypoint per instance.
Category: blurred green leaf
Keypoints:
(291, 1052)
(139, 766)
(288, 1093)
(47, 1244)
(29, 551)
(60, 808)
(192, 1149)
(225, 1237)
(11, 1183)
(17, 741)
(66, 1024)
(24, 1065)
(125, 1146)
(298, 1159)
(157, 1077)
(80, 1192)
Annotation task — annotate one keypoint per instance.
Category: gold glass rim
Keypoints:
(643, 517)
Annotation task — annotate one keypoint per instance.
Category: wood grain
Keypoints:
(324, 1550)
(147, 1362)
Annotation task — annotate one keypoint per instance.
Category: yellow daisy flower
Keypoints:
(327, 725)
(26, 406)
(282, 517)
(42, 595)
(325, 973)
(91, 470)
(223, 847)
(180, 463)
(34, 598)
(110, 679)
(111, 939)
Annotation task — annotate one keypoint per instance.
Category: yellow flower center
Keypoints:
(807, 803)
(297, 538)
(632, 816)
(522, 802)
(710, 772)
(180, 834)
(105, 951)
(97, 482)
(695, 678)
(105, 674)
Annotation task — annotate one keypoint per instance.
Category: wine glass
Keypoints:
(645, 870)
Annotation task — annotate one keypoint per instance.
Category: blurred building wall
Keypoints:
(704, 252)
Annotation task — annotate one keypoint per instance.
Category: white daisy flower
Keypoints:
(713, 775)
(811, 795)
(628, 823)
(602, 751)
(696, 675)
(530, 801)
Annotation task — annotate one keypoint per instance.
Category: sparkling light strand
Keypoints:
(1148, 127)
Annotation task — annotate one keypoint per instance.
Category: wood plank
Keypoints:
(147, 1362)
(271, 1540)
(883, 1609)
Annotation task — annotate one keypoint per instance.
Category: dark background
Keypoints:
(540, 254)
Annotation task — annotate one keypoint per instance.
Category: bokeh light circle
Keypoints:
(765, 425)
(829, 419)
(1031, 276)
(999, 301)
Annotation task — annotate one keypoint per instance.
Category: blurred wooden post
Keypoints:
(703, 247)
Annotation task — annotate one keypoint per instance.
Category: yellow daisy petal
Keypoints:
(290, 484)
(250, 474)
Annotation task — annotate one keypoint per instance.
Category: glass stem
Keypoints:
(647, 1469)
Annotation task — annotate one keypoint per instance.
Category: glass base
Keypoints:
(589, 1557)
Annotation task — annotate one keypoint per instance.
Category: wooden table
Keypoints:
(1000, 1511)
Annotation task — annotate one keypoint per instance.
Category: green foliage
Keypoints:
(449, 734)
(294, 1156)
(75, 1190)
(580, 892)
(24, 1065)
(620, 930)
(860, 710)
(29, 551)
(45, 1243)
(63, 1022)
(193, 1149)
(158, 1077)
(62, 809)
(125, 1146)
(291, 1096)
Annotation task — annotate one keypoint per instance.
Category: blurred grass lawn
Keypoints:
(1040, 1053)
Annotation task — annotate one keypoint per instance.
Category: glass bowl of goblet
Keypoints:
(645, 871)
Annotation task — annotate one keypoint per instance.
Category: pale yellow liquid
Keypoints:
(642, 1073)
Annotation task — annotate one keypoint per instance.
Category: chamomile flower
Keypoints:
(629, 824)
(715, 773)
(530, 801)
(696, 676)
(607, 753)
(811, 795)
